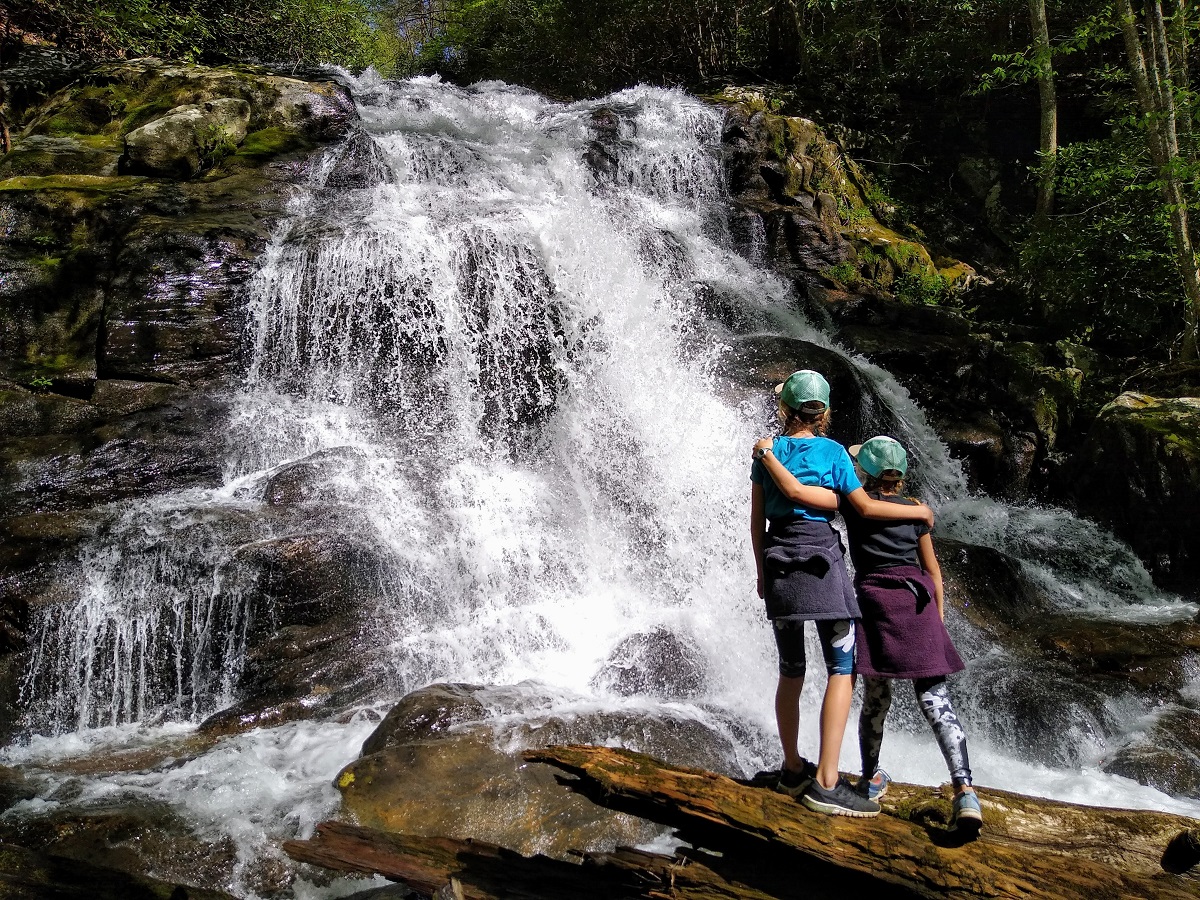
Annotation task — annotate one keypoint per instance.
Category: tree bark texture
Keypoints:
(1150, 65)
(753, 843)
(1048, 130)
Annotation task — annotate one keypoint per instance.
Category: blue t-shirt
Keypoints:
(813, 460)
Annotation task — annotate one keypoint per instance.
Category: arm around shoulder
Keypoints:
(808, 495)
(870, 508)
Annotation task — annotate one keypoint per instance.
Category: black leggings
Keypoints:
(933, 696)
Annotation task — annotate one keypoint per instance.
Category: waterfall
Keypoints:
(511, 320)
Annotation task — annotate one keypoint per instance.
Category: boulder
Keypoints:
(1138, 473)
(443, 762)
(141, 838)
(1165, 755)
(657, 663)
(187, 139)
(307, 654)
(29, 875)
(315, 478)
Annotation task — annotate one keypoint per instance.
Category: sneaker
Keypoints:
(968, 816)
(839, 800)
(794, 783)
(876, 786)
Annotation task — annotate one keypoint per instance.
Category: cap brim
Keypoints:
(779, 387)
(853, 451)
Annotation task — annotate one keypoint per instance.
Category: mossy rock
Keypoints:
(267, 143)
(1138, 473)
(86, 183)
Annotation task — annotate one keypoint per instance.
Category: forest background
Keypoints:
(1052, 143)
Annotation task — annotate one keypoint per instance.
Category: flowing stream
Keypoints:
(506, 360)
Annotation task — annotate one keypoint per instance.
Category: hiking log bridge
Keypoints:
(750, 842)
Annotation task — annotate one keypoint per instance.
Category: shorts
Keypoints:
(837, 645)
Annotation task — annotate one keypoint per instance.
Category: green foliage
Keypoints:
(39, 383)
(845, 273)
(290, 32)
(216, 143)
(926, 288)
(1101, 269)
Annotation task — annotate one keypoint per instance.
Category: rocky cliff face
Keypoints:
(1021, 410)
(134, 203)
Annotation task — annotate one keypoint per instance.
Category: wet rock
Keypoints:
(127, 849)
(187, 139)
(308, 655)
(359, 165)
(138, 278)
(160, 449)
(989, 588)
(308, 579)
(323, 476)
(1166, 755)
(657, 663)
(1001, 406)
(444, 762)
(1138, 473)
(424, 714)
(14, 787)
(756, 364)
(301, 672)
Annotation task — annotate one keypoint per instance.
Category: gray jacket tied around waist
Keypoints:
(804, 572)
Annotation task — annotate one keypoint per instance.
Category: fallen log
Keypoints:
(482, 871)
(1031, 848)
(752, 843)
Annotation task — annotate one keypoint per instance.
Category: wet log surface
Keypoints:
(755, 843)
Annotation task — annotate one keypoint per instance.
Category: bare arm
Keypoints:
(930, 564)
(758, 529)
(808, 495)
(870, 508)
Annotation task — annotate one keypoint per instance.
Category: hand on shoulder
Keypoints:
(764, 444)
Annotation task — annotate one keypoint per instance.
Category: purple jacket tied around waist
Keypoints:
(902, 635)
(804, 572)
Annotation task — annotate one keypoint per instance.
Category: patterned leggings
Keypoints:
(933, 695)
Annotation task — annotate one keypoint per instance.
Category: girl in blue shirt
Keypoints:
(802, 577)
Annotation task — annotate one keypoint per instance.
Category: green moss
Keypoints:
(90, 183)
(137, 116)
(844, 273)
(259, 146)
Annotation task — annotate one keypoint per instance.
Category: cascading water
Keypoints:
(509, 335)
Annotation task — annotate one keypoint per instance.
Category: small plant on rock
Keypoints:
(216, 143)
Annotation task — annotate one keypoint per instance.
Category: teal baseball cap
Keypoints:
(880, 454)
(805, 386)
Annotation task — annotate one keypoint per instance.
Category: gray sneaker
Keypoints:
(839, 800)
(794, 783)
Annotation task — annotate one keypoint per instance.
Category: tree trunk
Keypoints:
(783, 40)
(752, 843)
(1149, 65)
(1048, 131)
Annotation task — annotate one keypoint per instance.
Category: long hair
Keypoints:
(816, 416)
(883, 485)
